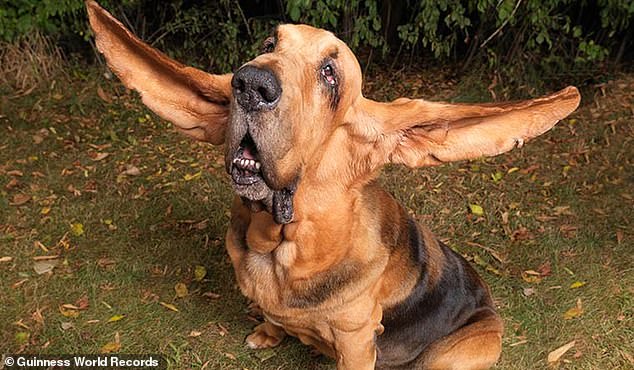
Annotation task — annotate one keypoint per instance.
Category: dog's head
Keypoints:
(295, 114)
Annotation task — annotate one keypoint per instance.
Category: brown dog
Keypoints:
(328, 255)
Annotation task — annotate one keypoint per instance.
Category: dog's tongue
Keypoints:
(247, 153)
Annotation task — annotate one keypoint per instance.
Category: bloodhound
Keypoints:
(327, 254)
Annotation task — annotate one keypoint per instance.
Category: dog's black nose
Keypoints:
(256, 88)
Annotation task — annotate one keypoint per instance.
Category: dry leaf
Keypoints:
(574, 311)
(12, 183)
(195, 333)
(116, 318)
(20, 199)
(131, 170)
(555, 355)
(181, 290)
(577, 284)
(112, 346)
(44, 266)
(199, 272)
(169, 306)
(103, 96)
(69, 310)
(476, 209)
(77, 229)
(98, 156)
(6, 259)
(82, 303)
(67, 325)
(190, 177)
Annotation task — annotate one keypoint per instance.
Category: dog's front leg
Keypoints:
(356, 350)
(355, 343)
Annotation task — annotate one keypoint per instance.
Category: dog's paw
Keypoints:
(264, 336)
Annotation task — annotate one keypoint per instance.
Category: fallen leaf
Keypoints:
(98, 156)
(476, 209)
(531, 276)
(37, 316)
(575, 311)
(545, 269)
(15, 173)
(20, 199)
(190, 177)
(44, 266)
(103, 96)
(67, 325)
(230, 356)
(199, 272)
(522, 233)
(169, 306)
(13, 183)
(77, 229)
(181, 290)
(82, 303)
(6, 259)
(619, 237)
(577, 284)
(211, 295)
(555, 355)
(67, 311)
(131, 170)
(45, 211)
(195, 333)
(116, 318)
(112, 346)
(528, 291)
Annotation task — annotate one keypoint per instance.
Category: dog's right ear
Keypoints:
(196, 102)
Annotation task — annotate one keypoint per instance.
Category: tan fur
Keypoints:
(328, 276)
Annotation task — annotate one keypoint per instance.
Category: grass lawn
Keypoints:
(134, 216)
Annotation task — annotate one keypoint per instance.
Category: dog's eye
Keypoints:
(329, 74)
(269, 45)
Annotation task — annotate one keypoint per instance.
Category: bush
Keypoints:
(516, 38)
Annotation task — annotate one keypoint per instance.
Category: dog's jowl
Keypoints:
(327, 254)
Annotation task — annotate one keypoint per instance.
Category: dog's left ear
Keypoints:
(196, 102)
(422, 133)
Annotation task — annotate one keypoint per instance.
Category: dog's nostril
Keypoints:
(237, 84)
(256, 88)
(268, 94)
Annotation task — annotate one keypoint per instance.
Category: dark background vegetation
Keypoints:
(512, 42)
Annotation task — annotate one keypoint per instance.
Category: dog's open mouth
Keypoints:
(246, 165)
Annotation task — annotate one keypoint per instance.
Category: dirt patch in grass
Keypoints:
(106, 214)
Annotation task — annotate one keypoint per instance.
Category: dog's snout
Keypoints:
(256, 88)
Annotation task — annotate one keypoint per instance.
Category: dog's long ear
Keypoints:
(422, 133)
(195, 101)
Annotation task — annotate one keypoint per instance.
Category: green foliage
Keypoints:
(18, 17)
(357, 22)
(507, 37)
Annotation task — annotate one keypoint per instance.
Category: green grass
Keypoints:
(144, 234)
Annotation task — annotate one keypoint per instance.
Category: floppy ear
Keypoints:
(421, 133)
(195, 101)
